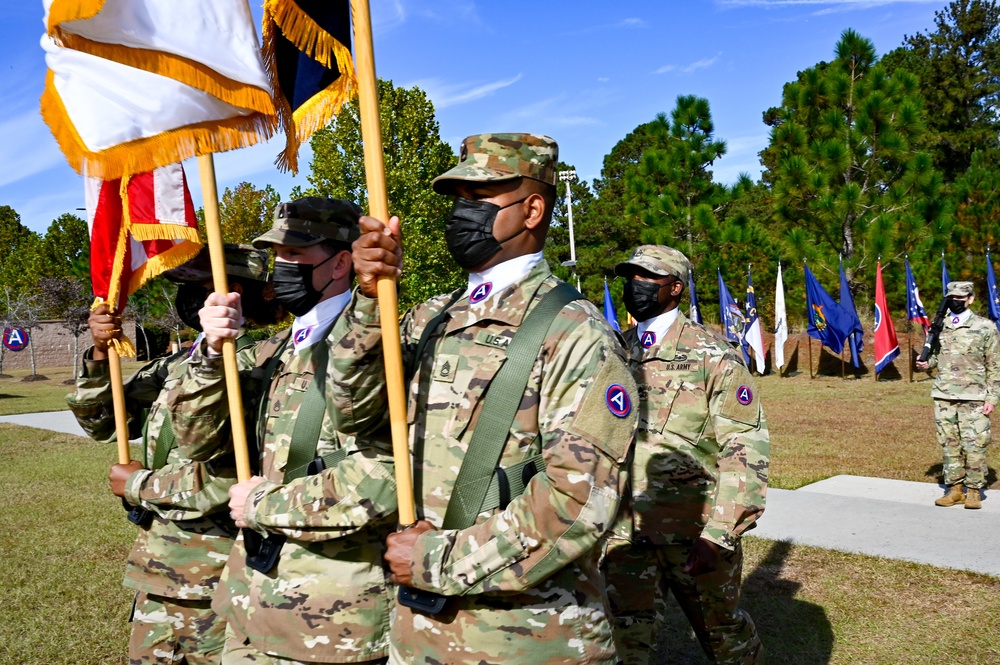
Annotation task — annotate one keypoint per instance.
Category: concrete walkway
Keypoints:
(895, 519)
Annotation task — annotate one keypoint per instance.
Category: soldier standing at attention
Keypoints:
(519, 568)
(699, 474)
(305, 581)
(185, 533)
(965, 394)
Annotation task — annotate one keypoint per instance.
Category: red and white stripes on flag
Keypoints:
(139, 227)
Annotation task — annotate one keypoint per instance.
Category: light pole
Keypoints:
(568, 177)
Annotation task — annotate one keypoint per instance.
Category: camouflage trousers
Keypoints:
(639, 578)
(169, 631)
(963, 432)
(238, 651)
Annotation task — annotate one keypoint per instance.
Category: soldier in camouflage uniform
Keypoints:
(699, 474)
(178, 555)
(522, 583)
(965, 393)
(326, 600)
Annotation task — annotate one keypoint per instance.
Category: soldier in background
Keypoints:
(305, 582)
(520, 569)
(965, 393)
(699, 473)
(186, 534)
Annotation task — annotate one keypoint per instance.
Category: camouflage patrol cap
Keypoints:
(311, 220)
(959, 289)
(241, 261)
(500, 157)
(657, 259)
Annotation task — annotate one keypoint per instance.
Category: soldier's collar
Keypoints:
(508, 306)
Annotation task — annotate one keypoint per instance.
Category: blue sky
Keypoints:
(585, 73)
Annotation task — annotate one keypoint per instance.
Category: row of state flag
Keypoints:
(835, 324)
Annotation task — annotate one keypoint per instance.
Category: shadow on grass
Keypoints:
(794, 631)
(9, 396)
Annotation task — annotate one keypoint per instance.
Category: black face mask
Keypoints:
(956, 306)
(642, 299)
(293, 285)
(190, 299)
(469, 231)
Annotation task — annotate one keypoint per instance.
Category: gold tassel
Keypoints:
(149, 153)
(71, 10)
(178, 68)
(147, 231)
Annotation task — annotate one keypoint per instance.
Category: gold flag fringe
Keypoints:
(307, 35)
(71, 10)
(178, 68)
(318, 44)
(149, 153)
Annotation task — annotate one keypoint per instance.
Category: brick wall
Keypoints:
(53, 347)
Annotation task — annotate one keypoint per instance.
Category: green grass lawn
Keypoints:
(17, 396)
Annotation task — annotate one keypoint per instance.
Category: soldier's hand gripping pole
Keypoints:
(136, 514)
(371, 134)
(210, 195)
(933, 340)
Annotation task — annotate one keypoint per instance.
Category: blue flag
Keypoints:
(856, 336)
(993, 297)
(827, 321)
(753, 335)
(730, 314)
(695, 312)
(944, 276)
(609, 309)
(914, 305)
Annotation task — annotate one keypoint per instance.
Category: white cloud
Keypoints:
(554, 112)
(452, 94)
(704, 63)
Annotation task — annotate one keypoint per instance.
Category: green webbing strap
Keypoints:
(499, 409)
(515, 479)
(329, 460)
(309, 418)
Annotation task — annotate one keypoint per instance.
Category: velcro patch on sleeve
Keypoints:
(607, 416)
(742, 402)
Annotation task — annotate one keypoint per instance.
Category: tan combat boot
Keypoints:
(972, 499)
(954, 497)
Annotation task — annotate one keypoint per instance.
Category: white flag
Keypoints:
(781, 323)
(138, 84)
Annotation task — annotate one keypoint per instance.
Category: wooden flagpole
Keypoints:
(378, 203)
(118, 401)
(210, 196)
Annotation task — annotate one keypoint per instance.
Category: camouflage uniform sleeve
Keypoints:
(932, 362)
(337, 502)
(992, 365)
(199, 406)
(182, 491)
(356, 394)
(744, 453)
(92, 406)
(566, 509)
